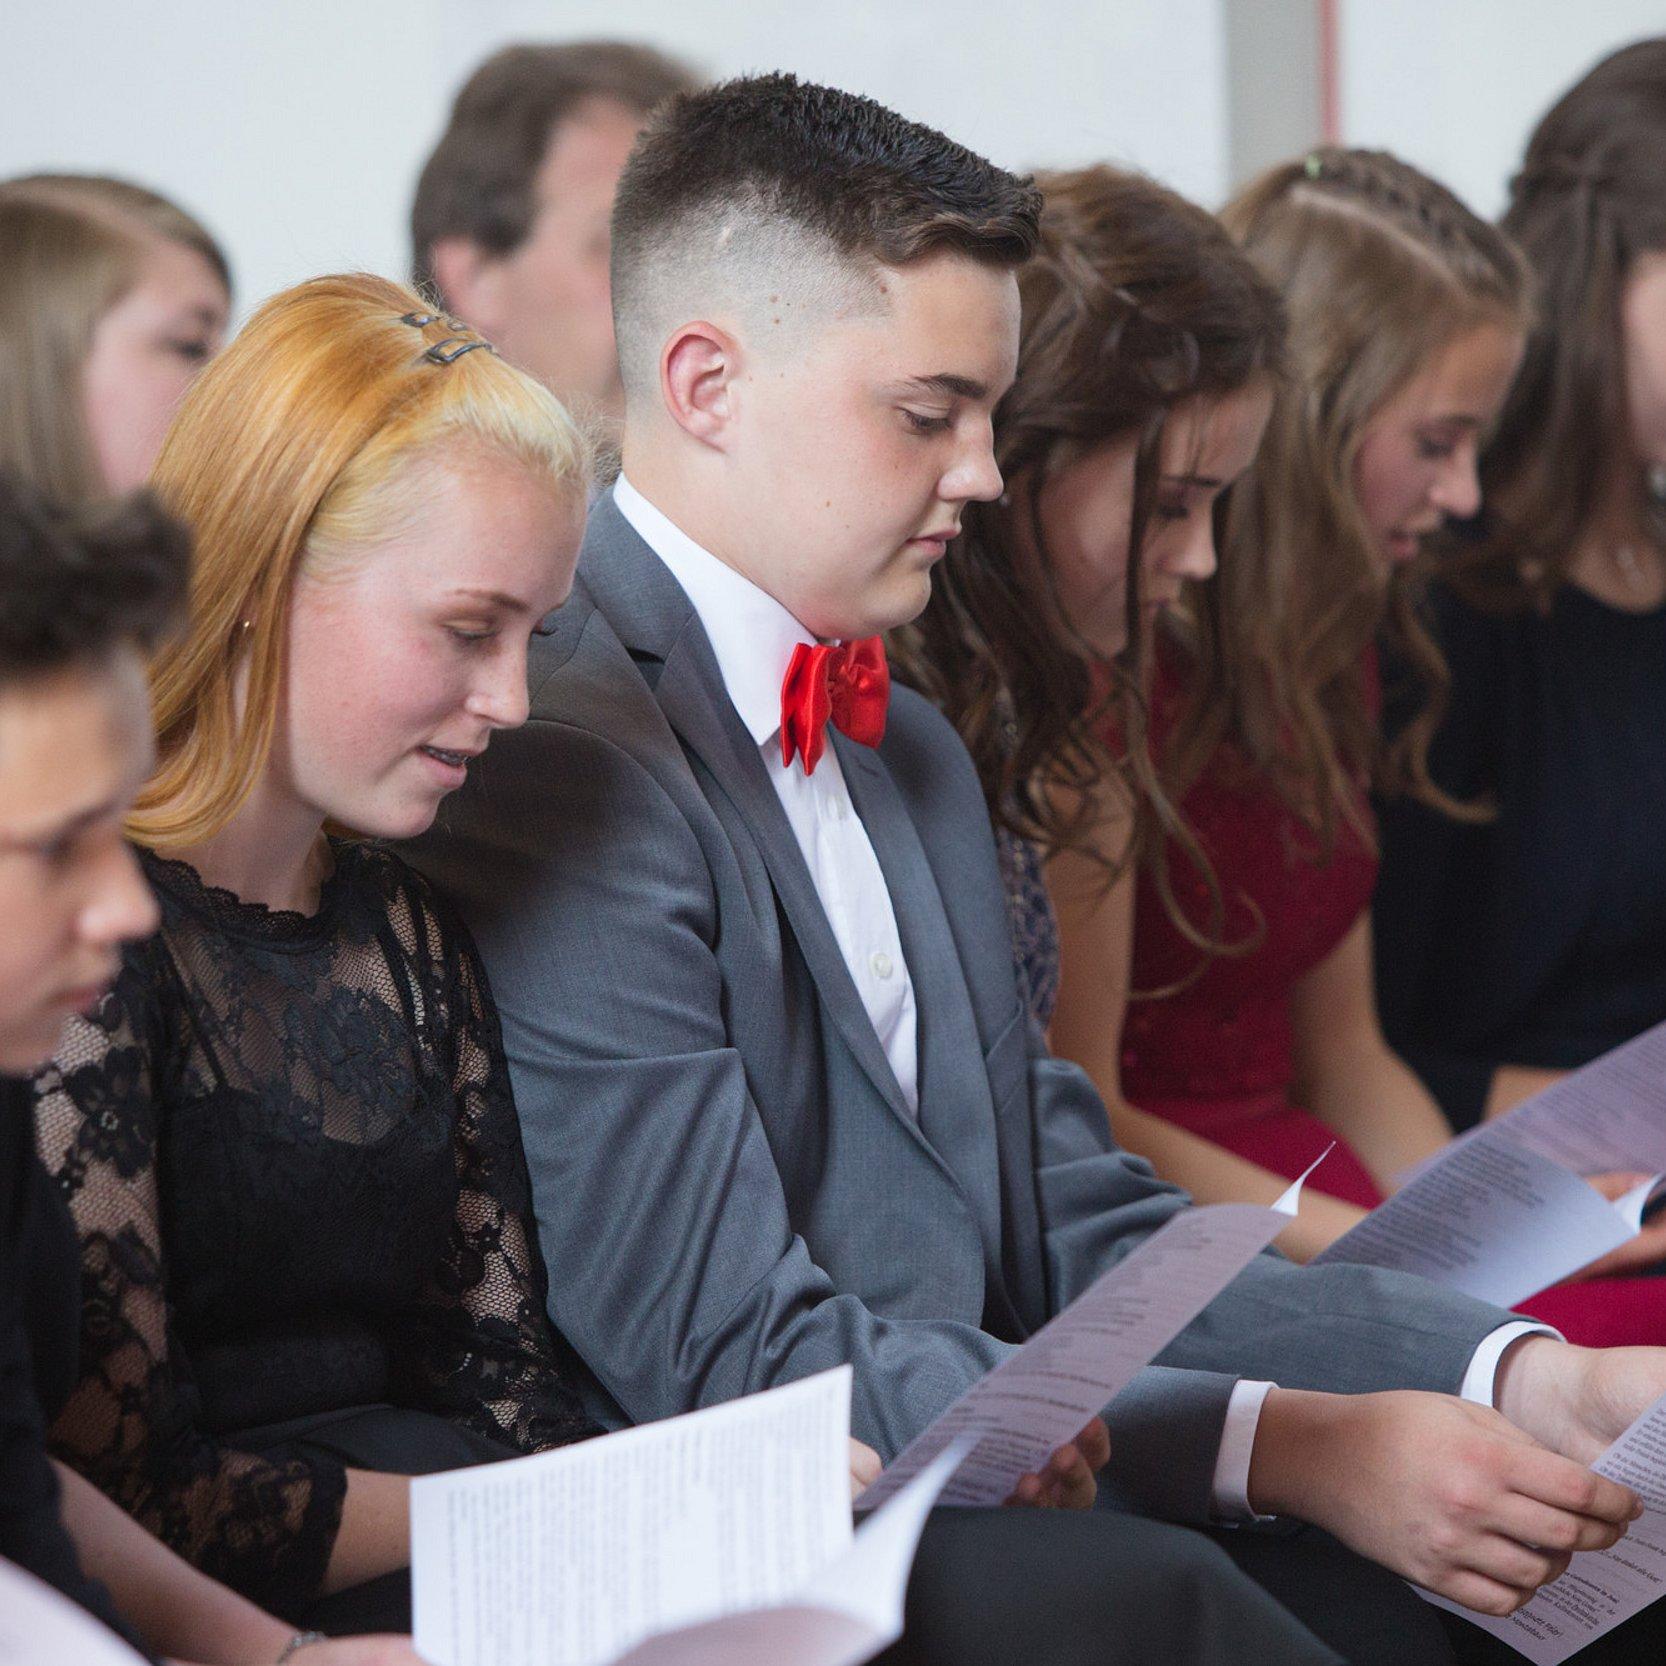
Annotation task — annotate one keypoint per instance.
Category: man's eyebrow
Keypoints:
(944, 381)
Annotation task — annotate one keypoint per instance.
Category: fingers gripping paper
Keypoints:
(1601, 1587)
(1503, 1213)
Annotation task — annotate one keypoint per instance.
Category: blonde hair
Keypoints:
(73, 247)
(296, 443)
(1380, 267)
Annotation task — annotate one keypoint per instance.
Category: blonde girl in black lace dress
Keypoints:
(286, 1136)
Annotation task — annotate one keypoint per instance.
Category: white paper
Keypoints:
(571, 1557)
(1601, 1587)
(850, 1611)
(1493, 1220)
(39, 1626)
(1044, 1393)
(1501, 1213)
(1610, 1114)
(723, 1537)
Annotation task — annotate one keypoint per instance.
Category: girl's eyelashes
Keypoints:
(471, 634)
(193, 352)
(920, 423)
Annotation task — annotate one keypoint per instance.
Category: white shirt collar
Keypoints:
(751, 634)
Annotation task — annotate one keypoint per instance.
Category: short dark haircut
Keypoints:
(787, 159)
(478, 181)
(77, 583)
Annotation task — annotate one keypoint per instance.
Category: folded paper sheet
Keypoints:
(1503, 1213)
(41, 1627)
(722, 1535)
(1043, 1394)
(1601, 1587)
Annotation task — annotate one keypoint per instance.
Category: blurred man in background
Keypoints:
(509, 229)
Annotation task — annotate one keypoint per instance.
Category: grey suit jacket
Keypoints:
(730, 1188)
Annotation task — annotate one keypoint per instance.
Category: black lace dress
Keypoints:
(290, 1151)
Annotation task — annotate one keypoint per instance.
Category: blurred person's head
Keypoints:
(383, 510)
(816, 309)
(1580, 448)
(111, 300)
(1148, 355)
(84, 595)
(1407, 317)
(510, 226)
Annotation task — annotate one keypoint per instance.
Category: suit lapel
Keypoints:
(656, 621)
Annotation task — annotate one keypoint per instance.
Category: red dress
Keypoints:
(1216, 1056)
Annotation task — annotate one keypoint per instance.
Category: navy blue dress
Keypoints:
(1537, 938)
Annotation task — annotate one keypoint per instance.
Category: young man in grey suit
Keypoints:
(779, 1100)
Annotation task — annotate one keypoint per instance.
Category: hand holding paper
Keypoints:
(1507, 1210)
(1601, 1587)
(1042, 1395)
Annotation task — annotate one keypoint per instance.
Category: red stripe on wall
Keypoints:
(1330, 71)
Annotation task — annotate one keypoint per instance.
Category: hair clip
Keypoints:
(1313, 165)
(419, 320)
(453, 348)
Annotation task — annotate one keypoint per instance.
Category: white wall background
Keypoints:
(295, 128)
(1456, 86)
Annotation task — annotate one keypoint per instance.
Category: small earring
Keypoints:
(245, 625)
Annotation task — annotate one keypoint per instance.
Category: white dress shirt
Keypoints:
(753, 637)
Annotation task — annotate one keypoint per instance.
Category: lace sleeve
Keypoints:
(485, 1353)
(131, 1425)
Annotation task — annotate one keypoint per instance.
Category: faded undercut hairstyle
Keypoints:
(73, 245)
(772, 182)
(1589, 200)
(479, 182)
(305, 443)
(1136, 302)
(1381, 269)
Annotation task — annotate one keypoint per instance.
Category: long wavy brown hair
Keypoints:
(1135, 302)
(1589, 200)
(1381, 268)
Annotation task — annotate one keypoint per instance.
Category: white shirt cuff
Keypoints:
(1481, 1379)
(1229, 1494)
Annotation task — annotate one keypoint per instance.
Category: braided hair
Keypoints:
(1586, 204)
(1381, 269)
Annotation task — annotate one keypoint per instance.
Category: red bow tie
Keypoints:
(848, 682)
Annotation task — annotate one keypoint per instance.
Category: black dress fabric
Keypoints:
(40, 1321)
(291, 1154)
(1539, 937)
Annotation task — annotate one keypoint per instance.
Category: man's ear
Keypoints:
(469, 277)
(698, 370)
